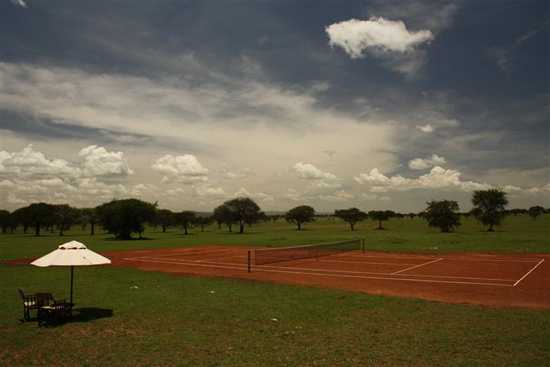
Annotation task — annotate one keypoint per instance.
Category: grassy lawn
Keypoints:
(134, 318)
(516, 234)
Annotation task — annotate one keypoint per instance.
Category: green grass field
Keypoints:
(139, 318)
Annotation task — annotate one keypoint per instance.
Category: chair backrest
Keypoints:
(44, 299)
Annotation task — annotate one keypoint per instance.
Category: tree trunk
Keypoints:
(202, 227)
(37, 230)
(185, 229)
(241, 227)
(299, 226)
(25, 228)
(380, 225)
(352, 225)
(92, 228)
(61, 230)
(163, 228)
(490, 228)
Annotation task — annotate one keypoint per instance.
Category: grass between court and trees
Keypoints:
(139, 318)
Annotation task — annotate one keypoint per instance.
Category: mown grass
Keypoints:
(516, 234)
(134, 318)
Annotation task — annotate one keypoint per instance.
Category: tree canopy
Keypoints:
(535, 211)
(489, 207)
(64, 217)
(186, 219)
(443, 215)
(224, 215)
(381, 216)
(245, 211)
(165, 218)
(300, 215)
(124, 217)
(352, 216)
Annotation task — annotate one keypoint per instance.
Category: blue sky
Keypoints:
(374, 104)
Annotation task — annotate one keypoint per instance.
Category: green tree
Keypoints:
(381, 216)
(165, 218)
(443, 215)
(37, 215)
(224, 215)
(300, 215)
(489, 207)
(245, 211)
(186, 219)
(5, 220)
(203, 221)
(64, 217)
(535, 211)
(89, 216)
(124, 217)
(20, 217)
(352, 216)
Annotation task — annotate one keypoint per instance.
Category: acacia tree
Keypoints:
(245, 211)
(165, 218)
(300, 215)
(443, 215)
(64, 217)
(381, 216)
(124, 217)
(89, 216)
(489, 207)
(224, 215)
(352, 216)
(5, 220)
(203, 221)
(37, 215)
(535, 211)
(186, 219)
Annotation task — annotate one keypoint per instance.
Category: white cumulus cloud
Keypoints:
(308, 171)
(437, 178)
(425, 128)
(425, 163)
(182, 168)
(98, 161)
(355, 36)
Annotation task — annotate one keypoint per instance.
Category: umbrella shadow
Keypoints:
(87, 314)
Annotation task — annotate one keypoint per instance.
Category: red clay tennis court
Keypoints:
(486, 279)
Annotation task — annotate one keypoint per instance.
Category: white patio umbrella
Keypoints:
(71, 254)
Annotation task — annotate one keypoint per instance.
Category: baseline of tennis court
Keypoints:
(511, 280)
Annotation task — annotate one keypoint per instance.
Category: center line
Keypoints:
(417, 266)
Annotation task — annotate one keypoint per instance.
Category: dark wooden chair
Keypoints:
(55, 312)
(34, 302)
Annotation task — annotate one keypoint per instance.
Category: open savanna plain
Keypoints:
(127, 317)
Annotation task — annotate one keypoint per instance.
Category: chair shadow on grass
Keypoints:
(83, 314)
(86, 314)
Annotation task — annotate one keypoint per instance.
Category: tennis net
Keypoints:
(274, 255)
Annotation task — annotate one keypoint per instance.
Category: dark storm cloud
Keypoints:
(483, 115)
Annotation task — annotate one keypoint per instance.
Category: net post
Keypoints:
(249, 262)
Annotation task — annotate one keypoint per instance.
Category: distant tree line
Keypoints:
(123, 218)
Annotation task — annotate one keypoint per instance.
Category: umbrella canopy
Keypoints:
(71, 254)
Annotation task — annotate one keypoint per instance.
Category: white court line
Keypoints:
(529, 272)
(357, 262)
(417, 266)
(242, 268)
(178, 261)
(349, 271)
(449, 256)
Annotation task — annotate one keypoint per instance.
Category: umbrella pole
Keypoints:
(72, 273)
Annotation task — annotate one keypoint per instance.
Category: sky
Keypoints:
(375, 104)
